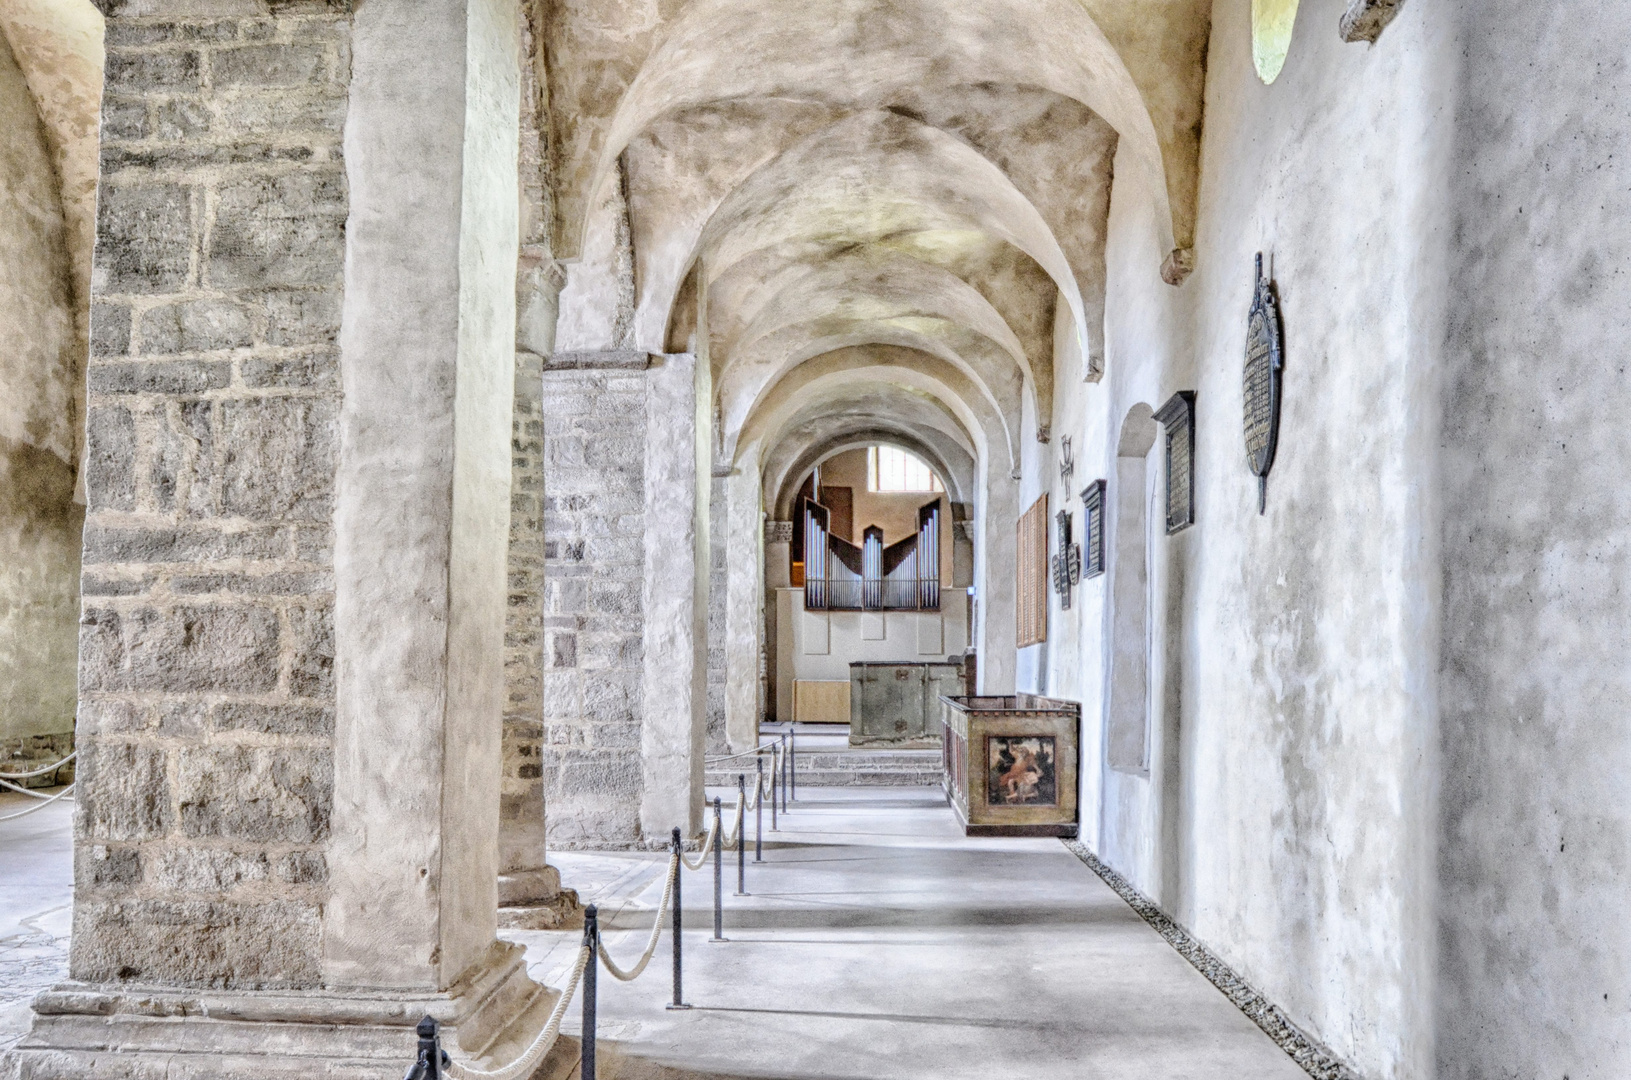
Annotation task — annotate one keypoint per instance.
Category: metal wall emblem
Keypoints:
(1264, 359)
(1067, 564)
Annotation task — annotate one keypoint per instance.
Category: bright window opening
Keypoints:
(892, 469)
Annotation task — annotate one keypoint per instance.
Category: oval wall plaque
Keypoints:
(1262, 382)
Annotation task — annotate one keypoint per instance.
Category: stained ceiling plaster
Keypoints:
(904, 188)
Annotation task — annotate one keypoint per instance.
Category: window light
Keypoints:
(889, 468)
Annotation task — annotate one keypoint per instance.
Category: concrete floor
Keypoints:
(879, 942)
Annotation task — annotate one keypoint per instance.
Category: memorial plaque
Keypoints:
(1067, 564)
(1177, 416)
(1093, 528)
(1262, 382)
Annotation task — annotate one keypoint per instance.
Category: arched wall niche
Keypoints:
(1127, 719)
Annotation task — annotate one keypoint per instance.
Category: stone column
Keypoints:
(995, 626)
(678, 486)
(292, 680)
(744, 606)
(529, 890)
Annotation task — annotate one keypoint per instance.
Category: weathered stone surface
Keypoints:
(280, 230)
(255, 793)
(196, 326)
(272, 719)
(279, 461)
(145, 237)
(228, 649)
(110, 455)
(263, 944)
(124, 791)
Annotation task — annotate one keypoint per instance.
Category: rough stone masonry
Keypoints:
(207, 642)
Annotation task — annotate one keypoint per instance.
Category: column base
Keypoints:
(86, 1031)
(534, 900)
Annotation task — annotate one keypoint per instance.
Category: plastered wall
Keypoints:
(1285, 814)
(40, 368)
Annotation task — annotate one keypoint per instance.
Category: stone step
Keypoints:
(848, 768)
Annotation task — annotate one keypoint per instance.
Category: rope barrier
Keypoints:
(702, 854)
(761, 748)
(41, 771)
(524, 1065)
(41, 805)
(656, 932)
(19, 789)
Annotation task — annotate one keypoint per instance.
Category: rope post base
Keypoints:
(719, 874)
(429, 1064)
(679, 996)
(591, 940)
(741, 836)
(759, 811)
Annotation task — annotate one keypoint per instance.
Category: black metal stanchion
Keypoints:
(428, 1066)
(759, 811)
(792, 763)
(742, 835)
(775, 771)
(591, 939)
(675, 846)
(785, 762)
(719, 874)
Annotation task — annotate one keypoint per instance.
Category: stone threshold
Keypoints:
(1310, 1054)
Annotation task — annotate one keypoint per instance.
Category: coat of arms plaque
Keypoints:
(1264, 358)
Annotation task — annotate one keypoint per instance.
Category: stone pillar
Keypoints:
(678, 487)
(778, 544)
(744, 606)
(292, 682)
(594, 563)
(995, 625)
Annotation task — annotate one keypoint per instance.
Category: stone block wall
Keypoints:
(207, 638)
(594, 566)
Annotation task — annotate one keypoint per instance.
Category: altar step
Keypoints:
(848, 768)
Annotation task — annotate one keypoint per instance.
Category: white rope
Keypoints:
(524, 1065)
(41, 805)
(736, 827)
(19, 789)
(41, 771)
(745, 753)
(702, 855)
(656, 932)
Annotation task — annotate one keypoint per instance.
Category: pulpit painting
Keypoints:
(1021, 771)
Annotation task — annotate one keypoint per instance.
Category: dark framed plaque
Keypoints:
(1093, 529)
(1177, 416)
(1264, 360)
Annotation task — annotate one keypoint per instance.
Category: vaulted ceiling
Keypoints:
(859, 209)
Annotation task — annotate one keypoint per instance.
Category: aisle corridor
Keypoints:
(879, 943)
